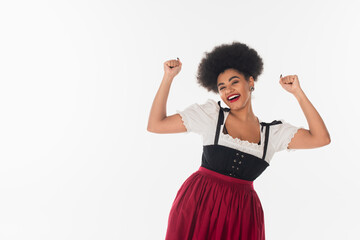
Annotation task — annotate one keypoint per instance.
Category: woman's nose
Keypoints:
(229, 90)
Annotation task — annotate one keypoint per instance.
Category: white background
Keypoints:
(77, 83)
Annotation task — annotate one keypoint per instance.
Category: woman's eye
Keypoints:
(232, 83)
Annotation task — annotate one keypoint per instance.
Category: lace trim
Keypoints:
(243, 145)
(184, 120)
(242, 142)
(288, 140)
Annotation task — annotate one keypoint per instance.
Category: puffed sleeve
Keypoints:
(199, 118)
(281, 135)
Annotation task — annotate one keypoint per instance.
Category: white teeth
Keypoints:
(233, 96)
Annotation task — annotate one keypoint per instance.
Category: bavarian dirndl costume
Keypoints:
(218, 201)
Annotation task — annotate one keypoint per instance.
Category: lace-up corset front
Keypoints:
(233, 162)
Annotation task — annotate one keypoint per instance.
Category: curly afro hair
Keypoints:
(237, 56)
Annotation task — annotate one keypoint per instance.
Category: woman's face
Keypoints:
(232, 82)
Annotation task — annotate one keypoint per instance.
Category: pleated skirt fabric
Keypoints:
(213, 206)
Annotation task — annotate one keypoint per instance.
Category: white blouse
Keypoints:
(202, 119)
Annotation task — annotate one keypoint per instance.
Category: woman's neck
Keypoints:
(245, 114)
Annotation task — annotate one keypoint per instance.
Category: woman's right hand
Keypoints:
(172, 68)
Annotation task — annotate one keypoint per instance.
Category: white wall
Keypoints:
(77, 82)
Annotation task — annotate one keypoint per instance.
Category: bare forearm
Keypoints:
(158, 108)
(317, 126)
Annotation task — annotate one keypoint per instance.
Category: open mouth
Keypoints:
(234, 98)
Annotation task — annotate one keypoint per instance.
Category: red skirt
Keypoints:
(210, 205)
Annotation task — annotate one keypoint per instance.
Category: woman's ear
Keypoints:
(252, 81)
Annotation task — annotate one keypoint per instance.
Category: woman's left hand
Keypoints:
(290, 83)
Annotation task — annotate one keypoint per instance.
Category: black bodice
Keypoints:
(232, 162)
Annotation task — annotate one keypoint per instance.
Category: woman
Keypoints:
(218, 201)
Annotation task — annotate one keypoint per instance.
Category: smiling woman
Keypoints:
(218, 201)
(237, 56)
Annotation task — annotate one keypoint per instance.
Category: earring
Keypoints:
(252, 88)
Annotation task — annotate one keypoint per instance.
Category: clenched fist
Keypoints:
(172, 67)
(290, 83)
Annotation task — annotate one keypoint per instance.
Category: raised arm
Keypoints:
(317, 135)
(158, 121)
